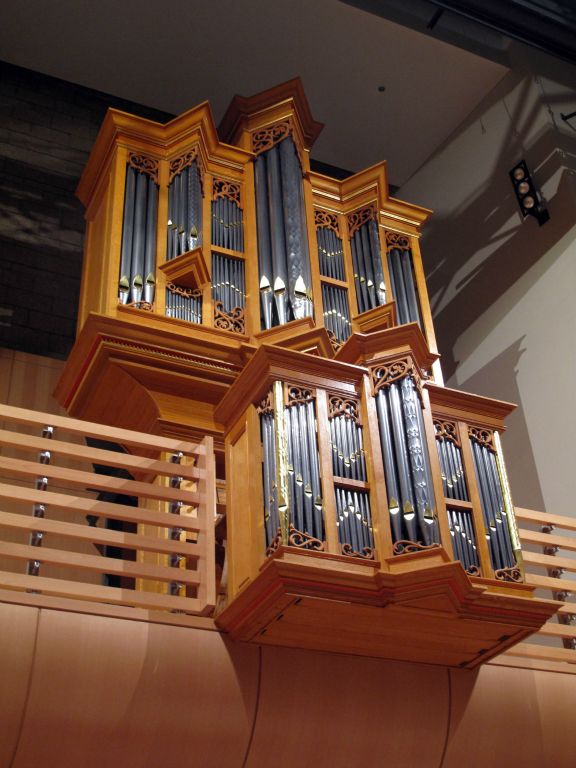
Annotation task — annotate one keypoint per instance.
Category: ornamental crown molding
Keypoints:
(263, 105)
(299, 369)
(160, 141)
(380, 345)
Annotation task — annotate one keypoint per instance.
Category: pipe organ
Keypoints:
(229, 290)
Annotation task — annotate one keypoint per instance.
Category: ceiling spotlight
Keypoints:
(526, 194)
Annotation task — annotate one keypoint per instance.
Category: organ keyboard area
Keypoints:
(285, 313)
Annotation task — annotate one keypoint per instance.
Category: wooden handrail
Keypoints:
(547, 582)
(547, 539)
(95, 535)
(535, 561)
(98, 563)
(71, 504)
(173, 571)
(550, 561)
(544, 652)
(125, 437)
(80, 478)
(544, 518)
(98, 455)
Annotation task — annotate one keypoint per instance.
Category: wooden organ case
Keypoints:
(229, 290)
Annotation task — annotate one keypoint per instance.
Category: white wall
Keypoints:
(503, 290)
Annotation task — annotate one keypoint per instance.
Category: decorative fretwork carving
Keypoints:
(446, 430)
(144, 164)
(145, 306)
(396, 240)
(266, 138)
(343, 406)
(473, 570)
(483, 436)
(336, 343)
(405, 546)
(367, 553)
(357, 218)
(304, 540)
(298, 395)
(266, 405)
(327, 220)
(274, 544)
(513, 573)
(184, 161)
(388, 373)
(226, 189)
(187, 293)
(229, 321)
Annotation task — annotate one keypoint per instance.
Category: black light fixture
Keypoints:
(528, 199)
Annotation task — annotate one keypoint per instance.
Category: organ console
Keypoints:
(229, 290)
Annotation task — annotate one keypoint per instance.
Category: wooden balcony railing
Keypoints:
(549, 547)
(106, 527)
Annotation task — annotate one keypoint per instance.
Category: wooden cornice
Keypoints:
(156, 344)
(370, 183)
(301, 335)
(369, 348)
(475, 409)
(243, 108)
(377, 319)
(404, 217)
(271, 364)
(160, 140)
(365, 187)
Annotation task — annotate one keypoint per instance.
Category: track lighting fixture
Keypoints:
(526, 194)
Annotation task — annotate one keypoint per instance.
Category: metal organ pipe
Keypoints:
(285, 281)
(184, 211)
(401, 267)
(138, 252)
(406, 463)
(496, 520)
(367, 265)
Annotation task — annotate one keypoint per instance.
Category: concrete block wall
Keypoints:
(47, 128)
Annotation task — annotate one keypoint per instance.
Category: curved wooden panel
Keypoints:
(556, 700)
(324, 710)
(496, 720)
(17, 638)
(119, 692)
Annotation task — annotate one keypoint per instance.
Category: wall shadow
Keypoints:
(499, 379)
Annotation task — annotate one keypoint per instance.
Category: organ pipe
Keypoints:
(284, 264)
(406, 461)
(137, 279)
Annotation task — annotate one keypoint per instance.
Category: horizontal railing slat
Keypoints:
(69, 503)
(548, 582)
(90, 480)
(533, 651)
(98, 535)
(547, 539)
(98, 563)
(98, 455)
(91, 429)
(550, 629)
(544, 518)
(114, 595)
(567, 608)
(550, 561)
